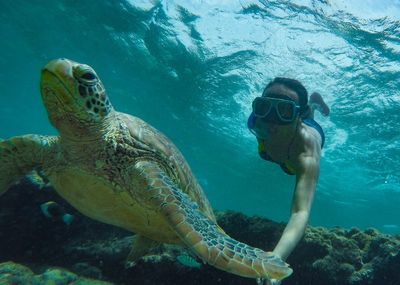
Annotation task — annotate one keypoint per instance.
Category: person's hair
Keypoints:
(293, 85)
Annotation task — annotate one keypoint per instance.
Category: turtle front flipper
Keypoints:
(20, 155)
(201, 234)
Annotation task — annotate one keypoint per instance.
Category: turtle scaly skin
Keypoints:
(117, 169)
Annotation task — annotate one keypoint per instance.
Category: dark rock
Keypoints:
(87, 270)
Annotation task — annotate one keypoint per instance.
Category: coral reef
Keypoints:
(94, 250)
(17, 274)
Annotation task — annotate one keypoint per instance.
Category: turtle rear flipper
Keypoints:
(20, 155)
(141, 246)
(202, 235)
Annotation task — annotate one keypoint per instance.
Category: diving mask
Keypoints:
(271, 110)
(275, 110)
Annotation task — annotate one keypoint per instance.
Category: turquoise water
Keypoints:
(192, 68)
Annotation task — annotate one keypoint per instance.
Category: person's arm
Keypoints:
(306, 181)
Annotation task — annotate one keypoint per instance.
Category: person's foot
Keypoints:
(318, 103)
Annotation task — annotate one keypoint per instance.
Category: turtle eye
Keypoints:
(85, 75)
(88, 76)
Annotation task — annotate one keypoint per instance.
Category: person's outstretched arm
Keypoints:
(306, 182)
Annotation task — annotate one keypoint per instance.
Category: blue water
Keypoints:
(192, 68)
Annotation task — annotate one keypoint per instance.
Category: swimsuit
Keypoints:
(286, 167)
(313, 124)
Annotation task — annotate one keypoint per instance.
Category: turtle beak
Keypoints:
(60, 67)
(57, 81)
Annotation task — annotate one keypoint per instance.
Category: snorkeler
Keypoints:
(283, 122)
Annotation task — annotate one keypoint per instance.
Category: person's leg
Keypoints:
(317, 103)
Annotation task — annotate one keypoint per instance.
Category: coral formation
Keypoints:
(17, 274)
(95, 250)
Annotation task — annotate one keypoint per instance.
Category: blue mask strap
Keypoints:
(251, 121)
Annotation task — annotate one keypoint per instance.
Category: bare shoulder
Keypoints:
(312, 140)
(309, 157)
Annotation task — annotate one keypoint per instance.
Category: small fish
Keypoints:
(52, 210)
(188, 261)
(391, 229)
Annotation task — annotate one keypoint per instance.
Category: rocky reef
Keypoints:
(13, 273)
(37, 250)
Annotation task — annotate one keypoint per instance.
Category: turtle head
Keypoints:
(74, 97)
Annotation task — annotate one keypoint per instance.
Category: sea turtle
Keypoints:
(117, 169)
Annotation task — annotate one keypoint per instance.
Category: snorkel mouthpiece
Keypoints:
(260, 132)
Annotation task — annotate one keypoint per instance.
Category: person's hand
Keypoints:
(277, 262)
(261, 281)
(272, 282)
